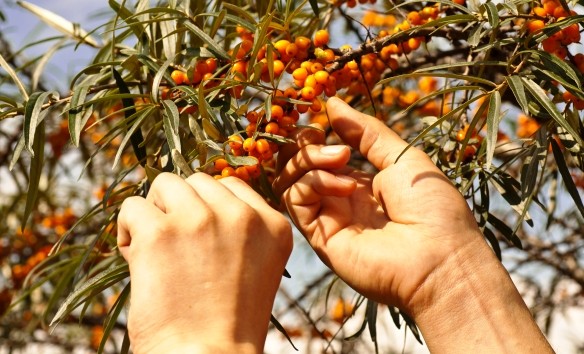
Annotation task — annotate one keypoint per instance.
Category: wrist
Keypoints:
(470, 304)
(173, 345)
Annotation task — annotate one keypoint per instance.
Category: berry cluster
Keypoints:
(549, 12)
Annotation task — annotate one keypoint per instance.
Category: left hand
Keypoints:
(206, 258)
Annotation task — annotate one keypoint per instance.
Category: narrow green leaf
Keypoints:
(412, 326)
(566, 176)
(126, 15)
(505, 230)
(241, 160)
(541, 97)
(136, 136)
(518, 90)
(490, 236)
(59, 23)
(559, 67)
(113, 315)
(160, 74)
(508, 187)
(169, 37)
(213, 46)
(493, 119)
(170, 119)
(75, 113)
(533, 162)
(133, 131)
(439, 74)
(394, 313)
(371, 316)
(217, 23)
(492, 14)
(32, 111)
(242, 14)
(314, 5)
(282, 330)
(35, 172)
(102, 280)
(181, 163)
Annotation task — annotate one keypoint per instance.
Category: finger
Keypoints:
(378, 143)
(213, 193)
(170, 193)
(133, 213)
(307, 205)
(311, 157)
(302, 137)
(243, 191)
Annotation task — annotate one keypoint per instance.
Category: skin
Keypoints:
(206, 256)
(404, 237)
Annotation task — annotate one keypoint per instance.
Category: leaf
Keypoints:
(541, 97)
(532, 164)
(412, 326)
(103, 280)
(314, 5)
(61, 24)
(35, 172)
(134, 131)
(566, 176)
(181, 163)
(553, 66)
(394, 313)
(508, 187)
(371, 315)
(518, 90)
(490, 236)
(212, 45)
(282, 330)
(113, 315)
(241, 160)
(493, 119)
(158, 78)
(32, 111)
(169, 37)
(505, 230)
(492, 14)
(136, 136)
(75, 110)
(127, 16)
(170, 119)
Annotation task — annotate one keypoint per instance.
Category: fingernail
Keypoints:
(345, 179)
(332, 149)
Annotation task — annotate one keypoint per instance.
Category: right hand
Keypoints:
(384, 234)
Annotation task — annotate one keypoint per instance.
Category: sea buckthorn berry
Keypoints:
(310, 81)
(179, 77)
(535, 25)
(300, 74)
(228, 172)
(321, 37)
(239, 67)
(249, 144)
(211, 64)
(302, 108)
(414, 43)
(321, 77)
(291, 93)
(315, 67)
(253, 170)
(250, 129)
(278, 67)
(262, 145)
(302, 42)
(235, 142)
(281, 46)
(352, 65)
(414, 18)
(272, 128)
(252, 116)
(316, 105)
(539, 11)
(201, 67)
(292, 50)
(246, 45)
(241, 173)
(277, 112)
(220, 164)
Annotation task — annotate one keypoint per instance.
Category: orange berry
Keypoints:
(239, 67)
(414, 18)
(300, 74)
(321, 77)
(281, 46)
(302, 43)
(201, 67)
(535, 25)
(228, 172)
(316, 105)
(241, 173)
(321, 37)
(235, 142)
(291, 93)
(252, 116)
(250, 129)
(211, 64)
(414, 43)
(278, 67)
(277, 112)
(539, 11)
(262, 146)
(179, 77)
(272, 128)
(253, 170)
(249, 144)
(310, 81)
(220, 164)
(292, 50)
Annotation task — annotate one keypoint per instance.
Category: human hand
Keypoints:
(384, 234)
(206, 258)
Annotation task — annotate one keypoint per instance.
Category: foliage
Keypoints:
(491, 91)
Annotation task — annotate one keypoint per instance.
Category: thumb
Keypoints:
(376, 142)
